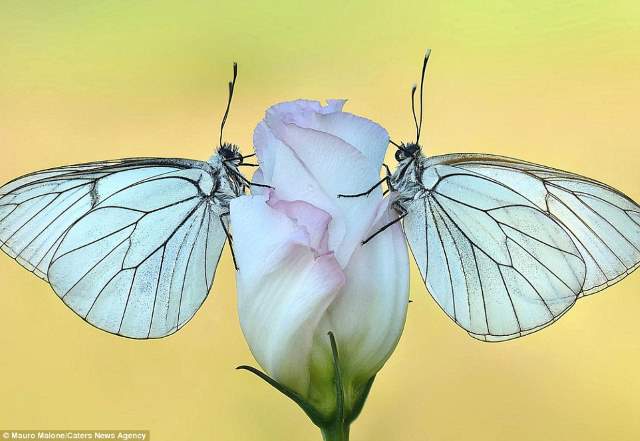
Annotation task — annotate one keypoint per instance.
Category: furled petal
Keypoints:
(300, 111)
(284, 286)
(298, 136)
(369, 312)
(325, 139)
(313, 220)
(369, 138)
(282, 169)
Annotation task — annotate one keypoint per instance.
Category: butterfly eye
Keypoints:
(399, 155)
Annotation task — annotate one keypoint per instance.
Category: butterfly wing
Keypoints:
(520, 242)
(131, 246)
(603, 222)
(38, 208)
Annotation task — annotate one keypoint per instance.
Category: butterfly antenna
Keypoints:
(424, 69)
(395, 144)
(413, 110)
(232, 85)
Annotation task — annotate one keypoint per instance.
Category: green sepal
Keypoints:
(337, 379)
(362, 397)
(311, 412)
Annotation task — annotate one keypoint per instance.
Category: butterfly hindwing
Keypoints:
(131, 246)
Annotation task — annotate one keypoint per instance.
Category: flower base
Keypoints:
(336, 427)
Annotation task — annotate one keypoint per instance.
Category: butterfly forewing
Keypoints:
(131, 246)
(36, 209)
(603, 222)
(520, 242)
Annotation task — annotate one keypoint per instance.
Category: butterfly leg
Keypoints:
(229, 238)
(255, 184)
(252, 184)
(401, 215)
(368, 192)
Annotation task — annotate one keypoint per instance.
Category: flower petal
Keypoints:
(339, 169)
(313, 220)
(365, 135)
(300, 112)
(284, 287)
(336, 166)
(282, 169)
(369, 312)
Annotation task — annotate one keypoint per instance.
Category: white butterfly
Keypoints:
(130, 245)
(505, 246)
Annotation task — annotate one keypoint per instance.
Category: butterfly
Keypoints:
(130, 245)
(505, 246)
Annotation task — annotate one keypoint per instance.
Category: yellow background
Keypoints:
(543, 81)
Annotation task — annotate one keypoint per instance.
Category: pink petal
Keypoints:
(282, 169)
(313, 220)
(337, 168)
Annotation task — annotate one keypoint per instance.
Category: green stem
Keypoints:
(335, 433)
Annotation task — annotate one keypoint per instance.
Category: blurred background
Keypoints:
(546, 81)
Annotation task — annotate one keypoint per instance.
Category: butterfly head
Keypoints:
(229, 157)
(408, 150)
(230, 154)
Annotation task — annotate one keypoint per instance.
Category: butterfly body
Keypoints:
(130, 245)
(230, 183)
(506, 247)
(406, 181)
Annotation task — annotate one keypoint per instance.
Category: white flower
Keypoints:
(303, 270)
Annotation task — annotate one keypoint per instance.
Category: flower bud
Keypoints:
(303, 271)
